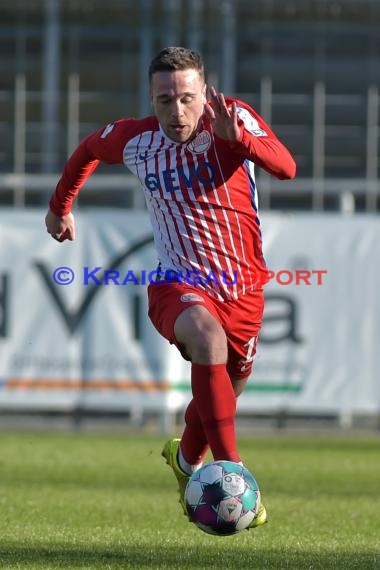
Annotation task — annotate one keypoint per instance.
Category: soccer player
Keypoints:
(195, 160)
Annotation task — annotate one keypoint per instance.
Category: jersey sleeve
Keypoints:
(104, 145)
(259, 144)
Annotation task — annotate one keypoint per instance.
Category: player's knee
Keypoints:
(208, 347)
(238, 385)
(202, 336)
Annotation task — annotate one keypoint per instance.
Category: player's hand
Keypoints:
(60, 227)
(223, 120)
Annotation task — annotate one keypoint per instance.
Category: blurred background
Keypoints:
(311, 68)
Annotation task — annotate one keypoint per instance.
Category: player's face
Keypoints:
(178, 99)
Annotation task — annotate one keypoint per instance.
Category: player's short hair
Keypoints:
(176, 58)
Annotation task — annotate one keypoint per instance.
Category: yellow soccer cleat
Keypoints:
(170, 453)
(260, 519)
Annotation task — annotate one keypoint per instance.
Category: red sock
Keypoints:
(194, 444)
(216, 404)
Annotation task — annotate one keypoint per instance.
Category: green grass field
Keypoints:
(95, 501)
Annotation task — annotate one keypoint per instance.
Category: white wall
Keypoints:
(94, 345)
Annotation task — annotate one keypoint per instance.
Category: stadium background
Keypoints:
(311, 68)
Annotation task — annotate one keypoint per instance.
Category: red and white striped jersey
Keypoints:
(201, 195)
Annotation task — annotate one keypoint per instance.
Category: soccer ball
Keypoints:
(222, 498)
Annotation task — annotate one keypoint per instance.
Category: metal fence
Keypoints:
(310, 67)
(356, 147)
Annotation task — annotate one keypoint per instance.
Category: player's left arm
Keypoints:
(259, 144)
(248, 135)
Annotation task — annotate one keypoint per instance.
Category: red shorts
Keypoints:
(240, 318)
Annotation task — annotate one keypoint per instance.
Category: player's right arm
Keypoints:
(104, 145)
(60, 227)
